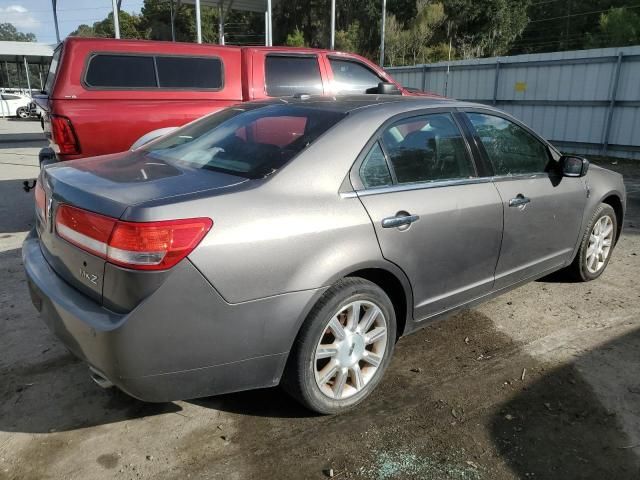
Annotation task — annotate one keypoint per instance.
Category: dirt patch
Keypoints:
(468, 413)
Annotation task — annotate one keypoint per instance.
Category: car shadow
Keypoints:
(451, 406)
(567, 424)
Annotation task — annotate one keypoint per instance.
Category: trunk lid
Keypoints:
(108, 186)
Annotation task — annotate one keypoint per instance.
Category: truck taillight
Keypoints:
(135, 245)
(64, 137)
(41, 200)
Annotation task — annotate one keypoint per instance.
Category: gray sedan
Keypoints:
(293, 242)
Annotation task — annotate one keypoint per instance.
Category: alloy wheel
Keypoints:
(600, 242)
(350, 350)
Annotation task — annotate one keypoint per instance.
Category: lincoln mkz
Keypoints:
(294, 241)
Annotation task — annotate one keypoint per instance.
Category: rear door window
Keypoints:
(288, 75)
(352, 77)
(121, 71)
(189, 72)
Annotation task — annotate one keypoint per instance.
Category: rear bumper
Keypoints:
(184, 341)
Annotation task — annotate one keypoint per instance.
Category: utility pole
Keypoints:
(332, 45)
(116, 20)
(384, 19)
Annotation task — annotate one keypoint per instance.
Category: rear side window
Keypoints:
(250, 142)
(374, 171)
(352, 77)
(121, 71)
(189, 72)
(139, 71)
(286, 76)
(53, 69)
(10, 97)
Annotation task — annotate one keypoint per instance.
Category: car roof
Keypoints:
(353, 103)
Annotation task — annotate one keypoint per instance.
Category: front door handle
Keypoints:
(399, 221)
(519, 200)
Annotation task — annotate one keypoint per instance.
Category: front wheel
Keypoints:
(343, 348)
(22, 112)
(597, 244)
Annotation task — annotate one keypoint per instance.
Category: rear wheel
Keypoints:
(597, 244)
(343, 348)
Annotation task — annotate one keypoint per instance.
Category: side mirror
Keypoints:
(573, 166)
(385, 88)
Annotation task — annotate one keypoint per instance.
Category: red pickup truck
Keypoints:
(102, 95)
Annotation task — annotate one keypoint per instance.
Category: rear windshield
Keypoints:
(53, 68)
(250, 141)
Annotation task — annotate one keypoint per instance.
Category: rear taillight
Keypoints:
(41, 200)
(64, 137)
(135, 245)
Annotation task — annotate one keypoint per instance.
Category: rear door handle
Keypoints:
(519, 200)
(399, 221)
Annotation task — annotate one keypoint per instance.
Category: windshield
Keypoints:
(252, 141)
(53, 68)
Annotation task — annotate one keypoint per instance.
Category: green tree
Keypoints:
(349, 40)
(130, 27)
(411, 44)
(486, 28)
(10, 33)
(571, 25)
(295, 39)
(618, 27)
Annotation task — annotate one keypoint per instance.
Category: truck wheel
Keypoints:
(343, 348)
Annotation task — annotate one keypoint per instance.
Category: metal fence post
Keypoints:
(424, 78)
(612, 104)
(495, 82)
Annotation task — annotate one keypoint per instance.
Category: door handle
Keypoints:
(399, 221)
(519, 200)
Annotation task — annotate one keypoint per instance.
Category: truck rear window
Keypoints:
(153, 71)
(252, 141)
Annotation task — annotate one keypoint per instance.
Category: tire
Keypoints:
(584, 268)
(22, 112)
(301, 377)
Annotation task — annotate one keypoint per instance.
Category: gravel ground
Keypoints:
(538, 383)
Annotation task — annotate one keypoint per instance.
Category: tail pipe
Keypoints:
(99, 378)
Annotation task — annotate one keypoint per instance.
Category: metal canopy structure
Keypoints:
(23, 54)
(224, 6)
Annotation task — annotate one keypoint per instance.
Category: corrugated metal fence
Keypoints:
(585, 101)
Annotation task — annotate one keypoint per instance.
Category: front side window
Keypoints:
(427, 148)
(288, 75)
(352, 77)
(251, 141)
(510, 148)
(121, 71)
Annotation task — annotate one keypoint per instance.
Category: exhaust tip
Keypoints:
(100, 379)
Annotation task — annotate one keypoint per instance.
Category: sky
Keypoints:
(36, 16)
